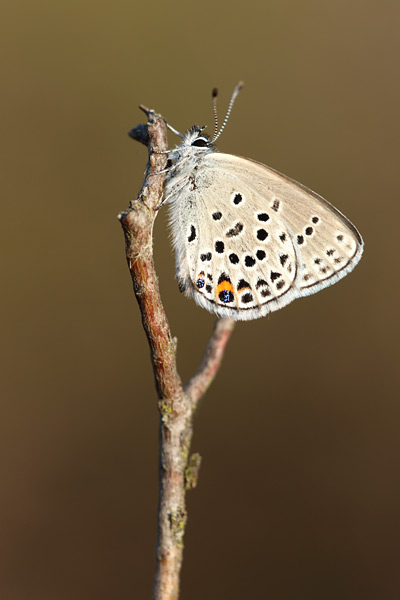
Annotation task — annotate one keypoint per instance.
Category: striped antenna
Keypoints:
(228, 112)
(214, 101)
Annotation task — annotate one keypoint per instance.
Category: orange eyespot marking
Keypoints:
(200, 281)
(224, 291)
(224, 285)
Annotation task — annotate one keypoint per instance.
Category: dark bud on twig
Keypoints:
(140, 134)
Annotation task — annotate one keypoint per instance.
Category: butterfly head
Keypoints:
(195, 138)
(195, 144)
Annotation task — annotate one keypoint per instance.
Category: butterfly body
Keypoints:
(249, 240)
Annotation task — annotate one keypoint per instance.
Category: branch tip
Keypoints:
(199, 383)
(145, 109)
(178, 470)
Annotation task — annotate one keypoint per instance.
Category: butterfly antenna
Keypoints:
(228, 112)
(174, 130)
(214, 102)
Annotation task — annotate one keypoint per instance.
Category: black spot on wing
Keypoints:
(236, 229)
(224, 277)
(246, 298)
(275, 205)
(249, 261)
(242, 284)
(261, 283)
(262, 234)
(265, 289)
(260, 254)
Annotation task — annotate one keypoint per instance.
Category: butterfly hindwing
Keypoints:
(248, 240)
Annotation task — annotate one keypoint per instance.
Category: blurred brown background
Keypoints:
(299, 489)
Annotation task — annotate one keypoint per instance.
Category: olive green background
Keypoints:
(299, 489)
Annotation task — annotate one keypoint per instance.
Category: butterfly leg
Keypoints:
(177, 189)
(159, 172)
(165, 200)
(171, 167)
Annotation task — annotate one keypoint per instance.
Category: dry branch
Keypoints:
(177, 470)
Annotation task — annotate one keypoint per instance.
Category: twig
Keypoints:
(198, 385)
(178, 471)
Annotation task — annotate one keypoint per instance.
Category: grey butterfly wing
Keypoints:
(257, 240)
(222, 259)
(322, 235)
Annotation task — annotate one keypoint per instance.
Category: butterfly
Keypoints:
(249, 240)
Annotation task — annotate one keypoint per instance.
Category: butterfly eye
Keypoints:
(201, 142)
